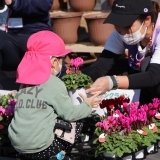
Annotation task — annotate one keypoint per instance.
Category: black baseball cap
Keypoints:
(125, 12)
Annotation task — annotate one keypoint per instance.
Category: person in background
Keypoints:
(25, 18)
(3, 16)
(134, 22)
(43, 98)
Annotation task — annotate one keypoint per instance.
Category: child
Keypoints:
(43, 98)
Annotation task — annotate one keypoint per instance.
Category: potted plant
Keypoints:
(7, 105)
(89, 124)
(75, 81)
(126, 128)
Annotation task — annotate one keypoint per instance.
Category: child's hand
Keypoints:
(93, 100)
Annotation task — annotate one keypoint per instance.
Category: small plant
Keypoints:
(74, 78)
(127, 126)
(7, 106)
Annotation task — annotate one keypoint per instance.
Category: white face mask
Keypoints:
(58, 73)
(134, 38)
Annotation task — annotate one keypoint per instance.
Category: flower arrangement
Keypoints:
(73, 78)
(126, 126)
(7, 105)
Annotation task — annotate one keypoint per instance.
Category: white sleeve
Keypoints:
(115, 43)
(156, 56)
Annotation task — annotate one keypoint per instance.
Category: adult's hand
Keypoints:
(8, 2)
(101, 85)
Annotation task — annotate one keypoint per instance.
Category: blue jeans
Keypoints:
(3, 17)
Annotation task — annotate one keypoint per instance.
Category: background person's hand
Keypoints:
(94, 100)
(101, 85)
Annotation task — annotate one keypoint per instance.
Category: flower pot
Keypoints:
(98, 32)
(152, 149)
(127, 157)
(74, 95)
(140, 154)
(85, 138)
(110, 156)
(58, 4)
(158, 144)
(82, 5)
(65, 24)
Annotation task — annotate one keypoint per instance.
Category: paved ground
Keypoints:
(149, 157)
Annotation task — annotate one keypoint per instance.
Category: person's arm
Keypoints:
(62, 104)
(149, 78)
(30, 7)
(102, 66)
(112, 50)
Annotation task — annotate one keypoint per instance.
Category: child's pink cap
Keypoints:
(35, 67)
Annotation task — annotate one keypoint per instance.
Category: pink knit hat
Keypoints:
(35, 67)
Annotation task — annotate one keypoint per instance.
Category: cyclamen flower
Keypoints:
(99, 124)
(125, 122)
(156, 100)
(105, 125)
(152, 113)
(9, 110)
(134, 106)
(145, 107)
(76, 62)
(2, 111)
(141, 115)
(111, 121)
(12, 102)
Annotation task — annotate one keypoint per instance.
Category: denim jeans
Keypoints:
(3, 17)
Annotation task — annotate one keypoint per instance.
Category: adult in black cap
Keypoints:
(134, 22)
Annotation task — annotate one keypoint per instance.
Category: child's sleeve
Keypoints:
(65, 109)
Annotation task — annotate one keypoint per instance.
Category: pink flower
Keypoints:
(141, 115)
(9, 110)
(152, 113)
(72, 62)
(105, 125)
(12, 102)
(156, 100)
(125, 122)
(76, 62)
(134, 106)
(145, 107)
(111, 121)
(150, 106)
(99, 124)
(2, 110)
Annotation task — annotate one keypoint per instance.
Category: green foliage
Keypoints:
(149, 139)
(116, 144)
(7, 105)
(74, 81)
(121, 144)
(4, 99)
